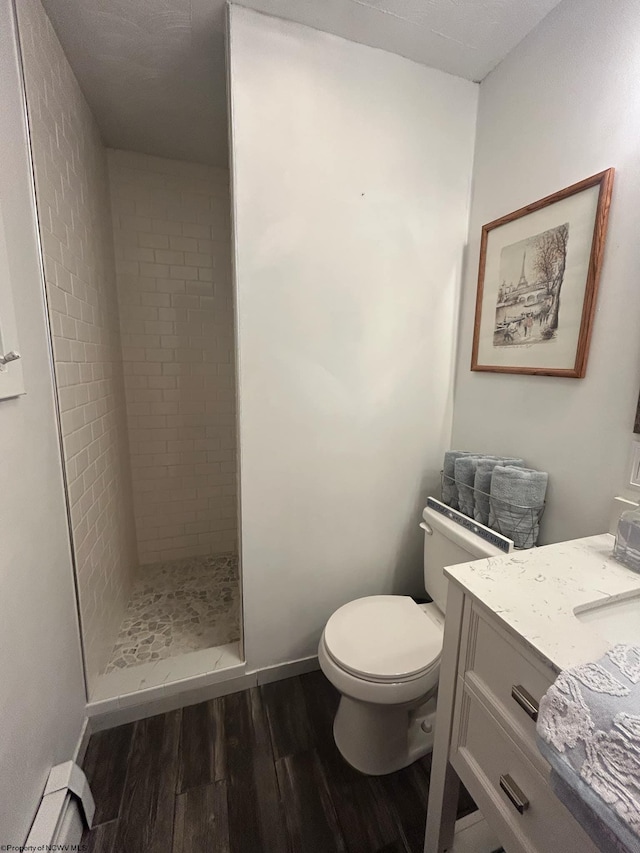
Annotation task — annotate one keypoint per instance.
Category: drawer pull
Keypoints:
(520, 802)
(526, 701)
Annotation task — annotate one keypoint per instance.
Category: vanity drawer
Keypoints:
(498, 666)
(514, 797)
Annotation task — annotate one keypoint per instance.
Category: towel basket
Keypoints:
(519, 523)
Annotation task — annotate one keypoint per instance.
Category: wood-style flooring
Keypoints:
(253, 772)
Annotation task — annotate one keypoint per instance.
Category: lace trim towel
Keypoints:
(589, 731)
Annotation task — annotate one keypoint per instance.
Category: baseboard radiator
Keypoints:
(66, 809)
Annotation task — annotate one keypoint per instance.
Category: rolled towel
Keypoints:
(512, 491)
(465, 474)
(482, 484)
(449, 488)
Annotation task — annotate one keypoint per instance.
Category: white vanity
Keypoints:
(513, 623)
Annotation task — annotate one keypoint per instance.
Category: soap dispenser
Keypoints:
(627, 545)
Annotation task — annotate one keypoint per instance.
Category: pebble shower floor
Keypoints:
(179, 606)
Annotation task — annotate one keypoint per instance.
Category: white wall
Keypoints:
(351, 171)
(42, 699)
(173, 256)
(564, 105)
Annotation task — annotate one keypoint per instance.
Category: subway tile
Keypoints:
(158, 354)
(161, 226)
(201, 232)
(135, 223)
(159, 327)
(135, 253)
(162, 300)
(171, 285)
(153, 270)
(183, 272)
(192, 315)
(198, 259)
(152, 241)
(184, 244)
(164, 256)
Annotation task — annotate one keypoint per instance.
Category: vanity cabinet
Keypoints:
(490, 687)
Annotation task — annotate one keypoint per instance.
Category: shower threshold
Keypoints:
(149, 682)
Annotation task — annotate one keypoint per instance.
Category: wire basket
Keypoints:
(521, 524)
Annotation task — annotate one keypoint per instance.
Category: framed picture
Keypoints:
(537, 282)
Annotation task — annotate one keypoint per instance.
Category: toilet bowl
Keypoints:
(382, 652)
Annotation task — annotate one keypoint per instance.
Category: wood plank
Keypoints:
(146, 820)
(407, 792)
(394, 847)
(321, 701)
(101, 838)
(256, 819)
(365, 817)
(235, 797)
(201, 821)
(311, 818)
(287, 715)
(105, 766)
(201, 745)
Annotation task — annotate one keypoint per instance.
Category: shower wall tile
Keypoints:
(173, 248)
(75, 222)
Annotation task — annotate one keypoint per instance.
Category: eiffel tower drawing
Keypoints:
(523, 279)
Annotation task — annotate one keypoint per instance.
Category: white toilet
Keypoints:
(383, 652)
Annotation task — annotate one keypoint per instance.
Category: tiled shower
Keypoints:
(136, 253)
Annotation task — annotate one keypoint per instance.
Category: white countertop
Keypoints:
(534, 593)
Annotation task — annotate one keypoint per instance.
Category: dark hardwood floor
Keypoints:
(253, 772)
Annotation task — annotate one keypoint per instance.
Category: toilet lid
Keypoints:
(383, 638)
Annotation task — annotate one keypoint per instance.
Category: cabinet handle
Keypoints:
(526, 701)
(518, 799)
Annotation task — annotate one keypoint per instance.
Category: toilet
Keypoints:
(382, 652)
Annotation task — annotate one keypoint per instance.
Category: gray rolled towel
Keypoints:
(465, 473)
(449, 488)
(512, 491)
(482, 484)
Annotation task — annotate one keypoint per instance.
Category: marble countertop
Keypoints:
(534, 593)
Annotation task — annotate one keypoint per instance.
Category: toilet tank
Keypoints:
(451, 538)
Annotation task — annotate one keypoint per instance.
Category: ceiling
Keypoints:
(153, 70)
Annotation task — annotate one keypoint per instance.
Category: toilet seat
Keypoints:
(384, 639)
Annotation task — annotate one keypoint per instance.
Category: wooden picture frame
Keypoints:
(529, 259)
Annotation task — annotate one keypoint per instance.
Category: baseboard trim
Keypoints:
(83, 742)
(279, 671)
(108, 716)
